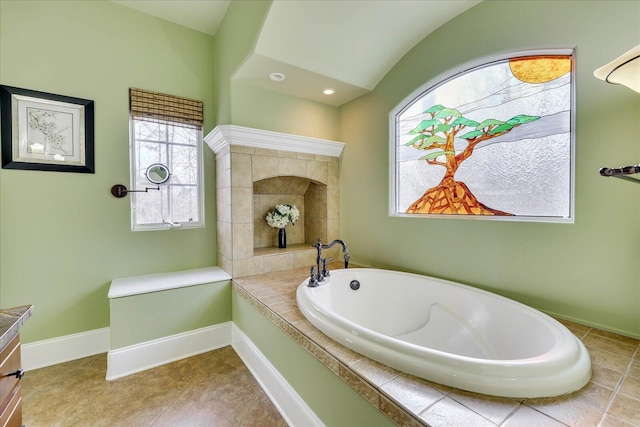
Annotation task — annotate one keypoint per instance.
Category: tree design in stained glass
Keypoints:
(493, 141)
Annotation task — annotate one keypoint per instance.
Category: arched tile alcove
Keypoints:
(310, 197)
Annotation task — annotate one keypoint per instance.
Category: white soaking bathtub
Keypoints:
(448, 333)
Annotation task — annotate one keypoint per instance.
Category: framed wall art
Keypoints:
(492, 140)
(44, 131)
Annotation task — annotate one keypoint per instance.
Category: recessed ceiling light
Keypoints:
(276, 77)
(328, 91)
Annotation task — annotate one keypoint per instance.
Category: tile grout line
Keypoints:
(426, 410)
(512, 413)
(616, 390)
(545, 414)
(167, 408)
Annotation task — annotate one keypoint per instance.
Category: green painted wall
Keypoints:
(264, 109)
(588, 271)
(63, 236)
(330, 398)
(161, 314)
(234, 42)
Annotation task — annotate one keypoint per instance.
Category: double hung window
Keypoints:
(166, 130)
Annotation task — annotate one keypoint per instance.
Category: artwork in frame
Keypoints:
(47, 132)
(492, 140)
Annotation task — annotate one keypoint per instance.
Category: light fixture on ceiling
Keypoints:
(624, 70)
(328, 91)
(276, 77)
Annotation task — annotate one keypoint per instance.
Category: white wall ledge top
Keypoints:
(225, 135)
(138, 285)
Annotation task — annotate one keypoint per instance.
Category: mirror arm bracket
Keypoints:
(120, 190)
(156, 173)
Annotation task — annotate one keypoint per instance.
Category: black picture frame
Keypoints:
(46, 132)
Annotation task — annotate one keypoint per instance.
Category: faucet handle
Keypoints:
(325, 269)
(313, 280)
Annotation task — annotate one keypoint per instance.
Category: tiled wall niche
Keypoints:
(310, 197)
(255, 169)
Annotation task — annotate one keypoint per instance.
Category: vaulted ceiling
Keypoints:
(344, 45)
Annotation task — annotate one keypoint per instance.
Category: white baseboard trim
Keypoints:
(291, 406)
(129, 360)
(140, 357)
(62, 349)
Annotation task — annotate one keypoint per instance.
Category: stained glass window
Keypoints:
(492, 141)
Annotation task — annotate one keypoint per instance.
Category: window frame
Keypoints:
(139, 192)
(452, 74)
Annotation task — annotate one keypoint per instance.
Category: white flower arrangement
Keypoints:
(282, 215)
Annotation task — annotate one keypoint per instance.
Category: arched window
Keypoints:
(493, 140)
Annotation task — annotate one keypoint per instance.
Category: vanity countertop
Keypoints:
(11, 319)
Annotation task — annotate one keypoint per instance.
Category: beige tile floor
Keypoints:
(211, 389)
(216, 389)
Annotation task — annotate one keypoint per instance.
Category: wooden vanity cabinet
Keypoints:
(10, 396)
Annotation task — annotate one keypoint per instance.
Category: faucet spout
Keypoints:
(345, 251)
(324, 272)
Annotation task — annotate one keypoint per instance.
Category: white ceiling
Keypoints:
(345, 45)
(201, 15)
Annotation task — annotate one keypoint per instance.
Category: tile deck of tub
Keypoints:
(611, 398)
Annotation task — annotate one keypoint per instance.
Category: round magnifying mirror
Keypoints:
(158, 173)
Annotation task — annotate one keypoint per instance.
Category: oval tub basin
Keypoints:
(448, 333)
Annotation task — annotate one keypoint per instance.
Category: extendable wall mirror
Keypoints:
(156, 173)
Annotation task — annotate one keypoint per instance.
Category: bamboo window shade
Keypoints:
(156, 106)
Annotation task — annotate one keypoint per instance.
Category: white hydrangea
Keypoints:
(282, 215)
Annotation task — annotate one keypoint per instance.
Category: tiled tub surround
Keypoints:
(611, 398)
(255, 170)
